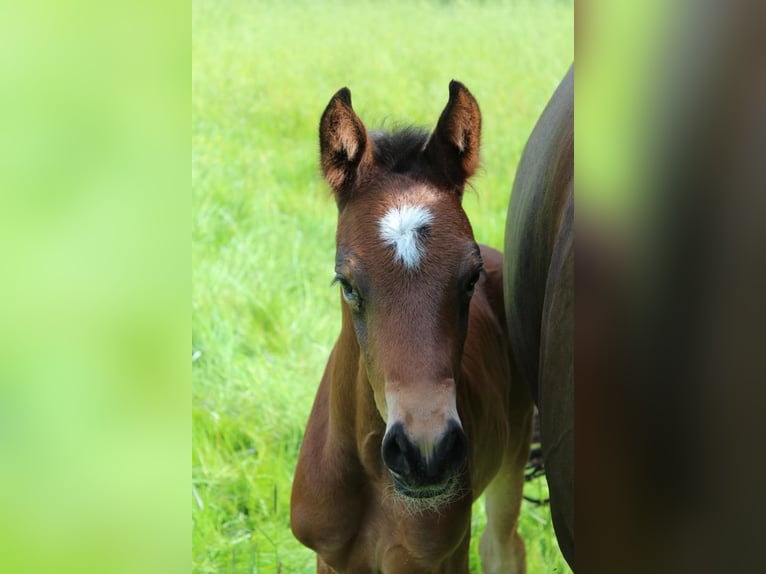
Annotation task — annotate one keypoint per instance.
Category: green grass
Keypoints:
(264, 316)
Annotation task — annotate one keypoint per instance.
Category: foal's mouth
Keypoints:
(445, 489)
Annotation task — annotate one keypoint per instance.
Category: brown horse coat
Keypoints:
(415, 415)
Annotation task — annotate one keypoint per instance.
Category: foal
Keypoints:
(416, 414)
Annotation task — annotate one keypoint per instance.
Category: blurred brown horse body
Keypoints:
(539, 293)
(415, 415)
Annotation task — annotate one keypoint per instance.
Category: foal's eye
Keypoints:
(349, 293)
(471, 284)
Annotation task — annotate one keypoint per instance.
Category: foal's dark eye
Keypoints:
(348, 290)
(350, 294)
(471, 284)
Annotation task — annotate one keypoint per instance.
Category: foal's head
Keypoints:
(407, 264)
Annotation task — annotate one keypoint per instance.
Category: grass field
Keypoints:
(264, 316)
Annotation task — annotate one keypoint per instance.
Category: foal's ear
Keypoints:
(343, 143)
(453, 148)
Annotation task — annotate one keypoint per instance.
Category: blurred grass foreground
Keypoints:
(264, 318)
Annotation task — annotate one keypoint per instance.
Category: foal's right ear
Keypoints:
(344, 145)
(453, 148)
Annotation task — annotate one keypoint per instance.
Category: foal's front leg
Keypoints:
(501, 548)
(323, 568)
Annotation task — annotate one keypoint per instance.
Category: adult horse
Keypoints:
(538, 279)
(416, 414)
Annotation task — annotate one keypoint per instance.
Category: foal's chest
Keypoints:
(390, 540)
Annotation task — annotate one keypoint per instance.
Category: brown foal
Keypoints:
(416, 414)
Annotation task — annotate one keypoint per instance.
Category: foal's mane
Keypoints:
(398, 150)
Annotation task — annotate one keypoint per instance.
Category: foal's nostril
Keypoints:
(396, 449)
(452, 449)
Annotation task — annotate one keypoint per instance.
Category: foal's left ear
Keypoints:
(343, 144)
(453, 149)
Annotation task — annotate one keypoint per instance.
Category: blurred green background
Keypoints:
(264, 317)
(94, 143)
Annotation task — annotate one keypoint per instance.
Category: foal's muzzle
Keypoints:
(420, 475)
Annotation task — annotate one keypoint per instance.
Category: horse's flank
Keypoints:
(539, 293)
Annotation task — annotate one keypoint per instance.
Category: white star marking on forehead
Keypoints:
(401, 228)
